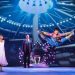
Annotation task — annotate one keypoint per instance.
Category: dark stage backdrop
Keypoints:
(12, 52)
(64, 56)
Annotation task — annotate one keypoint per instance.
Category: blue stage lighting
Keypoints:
(9, 15)
(0, 17)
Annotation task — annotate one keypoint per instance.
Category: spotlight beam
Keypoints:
(55, 16)
(12, 31)
(44, 20)
(68, 9)
(19, 27)
(69, 28)
(58, 15)
(65, 1)
(6, 7)
(20, 16)
(65, 4)
(64, 26)
(63, 12)
(12, 12)
(7, 30)
(4, 1)
(71, 23)
(55, 22)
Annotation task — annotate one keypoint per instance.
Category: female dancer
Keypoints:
(3, 61)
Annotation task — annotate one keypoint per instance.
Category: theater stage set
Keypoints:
(21, 17)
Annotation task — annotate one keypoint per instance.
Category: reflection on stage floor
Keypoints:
(37, 71)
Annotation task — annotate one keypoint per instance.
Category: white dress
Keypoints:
(3, 60)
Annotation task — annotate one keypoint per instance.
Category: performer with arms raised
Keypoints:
(56, 38)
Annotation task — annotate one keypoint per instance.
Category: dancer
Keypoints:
(3, 61)
(56, 38)
(27, 50)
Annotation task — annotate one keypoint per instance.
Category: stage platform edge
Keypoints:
(52, 69)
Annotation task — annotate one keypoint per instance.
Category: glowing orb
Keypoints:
(35, 6)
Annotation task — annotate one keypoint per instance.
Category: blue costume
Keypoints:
(53, 42)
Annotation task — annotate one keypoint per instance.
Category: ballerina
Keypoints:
(3, 60)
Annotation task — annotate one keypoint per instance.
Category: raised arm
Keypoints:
(41, 34)
(65, 34)
(46, 33)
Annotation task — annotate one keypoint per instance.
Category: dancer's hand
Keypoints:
(72, 32)
(39, 32)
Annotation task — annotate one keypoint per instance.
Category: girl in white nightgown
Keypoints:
(3, 61)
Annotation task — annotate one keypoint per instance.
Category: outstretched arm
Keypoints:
(46, 33)
(66, 34)
(41, 34)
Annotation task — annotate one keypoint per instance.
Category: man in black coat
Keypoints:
(27, 45)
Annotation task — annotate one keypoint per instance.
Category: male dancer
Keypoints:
(56, 38)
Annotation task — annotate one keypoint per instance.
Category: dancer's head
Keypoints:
(56, 31)
(1, 37)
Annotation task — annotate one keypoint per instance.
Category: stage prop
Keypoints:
(35, 7)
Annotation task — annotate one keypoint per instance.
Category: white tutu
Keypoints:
(3, 60)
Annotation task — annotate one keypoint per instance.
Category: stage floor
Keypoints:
(37, 71)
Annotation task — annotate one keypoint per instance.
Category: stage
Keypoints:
(39, 34)
(37, 71)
